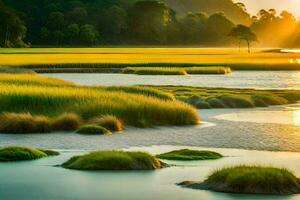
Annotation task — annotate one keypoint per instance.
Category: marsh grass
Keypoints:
(114, 160)
(19, 123)
(147, 91)
(37, 95)
(66, 122)
(250, 180)
(93, 130)
(175, 70)
(189, 155)
(110, 122)
(18, 153)
(231, 98)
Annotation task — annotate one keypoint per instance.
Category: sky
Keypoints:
(254, 6)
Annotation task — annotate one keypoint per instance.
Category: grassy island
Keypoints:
(250, 180)
(33, 103)
(16, 153)
(93, 130)
(114, 160)
(187, 154)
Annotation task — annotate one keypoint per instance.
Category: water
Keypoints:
(39, 180)
(227, 131)
(237, 79)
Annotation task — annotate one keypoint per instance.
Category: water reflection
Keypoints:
(289, 116)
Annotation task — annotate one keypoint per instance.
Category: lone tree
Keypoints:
(243, 33)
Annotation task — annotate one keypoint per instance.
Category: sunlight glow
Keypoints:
(296, 117)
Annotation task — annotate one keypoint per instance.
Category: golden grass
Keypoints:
(221, 56)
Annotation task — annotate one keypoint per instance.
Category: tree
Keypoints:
(193, 27)
(148, 21)
(241, 33)
(12, 28)
(218, 27)
(88, 35)
(72, 33)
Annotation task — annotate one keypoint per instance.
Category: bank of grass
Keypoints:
(250, 180)
(175, 70)
(206, 98)
(93, 130)
(18, 153)
(41, 96)
(114, 160)
(189, 155)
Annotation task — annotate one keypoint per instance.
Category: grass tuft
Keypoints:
(66, 122)
(250, 180)
(109, 122)
(114, 160)
(16, 153)
(187, 154)
(93, 130)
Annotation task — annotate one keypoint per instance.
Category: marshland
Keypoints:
(149, 99)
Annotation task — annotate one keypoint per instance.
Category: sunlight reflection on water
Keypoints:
(289, 116)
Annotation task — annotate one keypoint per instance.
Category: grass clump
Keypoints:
(109, 122)
(66, 122)
(114, 160)
(20, 123)
(93, 130)
(187, 154)
(16, 153)
(250, 180)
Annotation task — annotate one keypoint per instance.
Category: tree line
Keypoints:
(132, 22)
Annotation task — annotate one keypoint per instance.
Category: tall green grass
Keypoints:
(40, 98)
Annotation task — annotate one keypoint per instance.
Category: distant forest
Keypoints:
(133, 22)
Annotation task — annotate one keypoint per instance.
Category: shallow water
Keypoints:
(39, 180)
(237, 79)
(246, 133)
